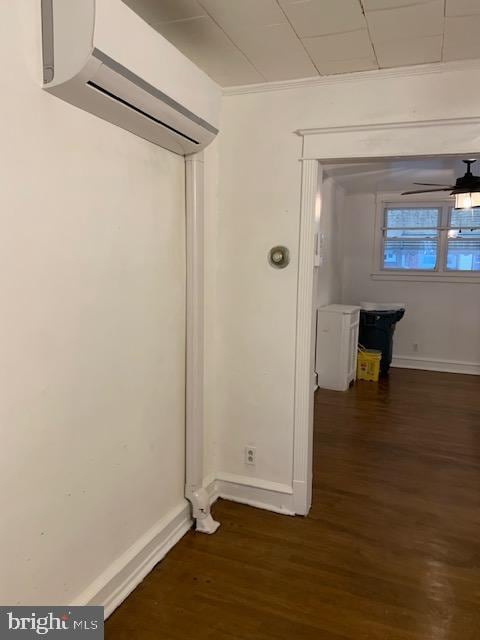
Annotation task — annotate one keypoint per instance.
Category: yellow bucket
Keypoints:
(368, 364)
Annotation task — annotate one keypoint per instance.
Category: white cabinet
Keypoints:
(337, 340)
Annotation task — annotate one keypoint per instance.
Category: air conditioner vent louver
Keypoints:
(97, 87)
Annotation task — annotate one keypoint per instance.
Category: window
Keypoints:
(430, 238)
(411, 238)
(463, 241)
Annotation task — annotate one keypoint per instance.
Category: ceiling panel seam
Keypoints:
(231, 40)
(369, 34)
(298, 37)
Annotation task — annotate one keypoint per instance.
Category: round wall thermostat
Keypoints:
(279, 257)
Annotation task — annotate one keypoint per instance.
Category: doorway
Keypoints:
(414, 140)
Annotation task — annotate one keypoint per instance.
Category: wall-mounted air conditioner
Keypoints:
(100, 56)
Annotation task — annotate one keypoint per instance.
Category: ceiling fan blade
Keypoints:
(432, 184)
(407, 193)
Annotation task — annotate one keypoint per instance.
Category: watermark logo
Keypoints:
(51, 622)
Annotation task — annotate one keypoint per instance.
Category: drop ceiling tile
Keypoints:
(265, 37)
(231, 14)
(340, 46)
(201, 40)
(347, 66)
(399, 53)
(461, 39)
(320, 17)
(415, 21)
(462, 7)
(156, 12)
(275, 51)
(374, 5)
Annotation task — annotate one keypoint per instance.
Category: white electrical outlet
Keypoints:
(250, 455)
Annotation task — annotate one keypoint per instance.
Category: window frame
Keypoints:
(440, 273)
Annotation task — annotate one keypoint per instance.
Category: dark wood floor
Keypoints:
(390, 551)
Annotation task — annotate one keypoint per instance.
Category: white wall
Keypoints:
(442, 318)
(327, 280)
(254, 313)
(92, 336)
(257, 207)
(328, 276)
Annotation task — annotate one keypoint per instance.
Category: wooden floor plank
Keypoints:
(390, 550)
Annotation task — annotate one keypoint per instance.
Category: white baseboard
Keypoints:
(112, 587)
(263, 494)
(434, 364)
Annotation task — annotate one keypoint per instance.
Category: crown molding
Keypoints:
(359, 76)
(388, 126)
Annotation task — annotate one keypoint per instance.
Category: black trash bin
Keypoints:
(376, 332)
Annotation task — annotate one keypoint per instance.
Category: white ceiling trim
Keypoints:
(382, 126)
(358, 76)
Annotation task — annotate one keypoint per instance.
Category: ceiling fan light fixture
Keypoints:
(466, 189)
(469, 200)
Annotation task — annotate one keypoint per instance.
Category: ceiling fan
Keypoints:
(466, 189)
